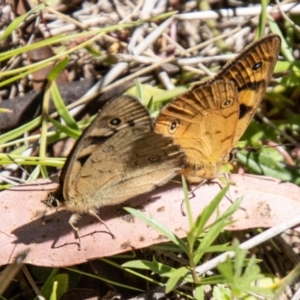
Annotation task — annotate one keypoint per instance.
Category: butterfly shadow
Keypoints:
(52, 225)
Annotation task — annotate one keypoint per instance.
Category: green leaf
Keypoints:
(55, 291)
(75, 134)
(207, 213)
(240, 279)
(15, 133)
(262, 19)
(269, 162)
(58, 69)
(222, 293)
(199, 292)
(154, 266)
(158, 226)
(61, 108)
(226, 269)
(103, 279)
(17, 21)
(285, 49)
(176, 276)
(215, 228)
(187, 201)
(139, 90)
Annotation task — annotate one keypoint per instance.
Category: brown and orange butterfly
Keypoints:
(209, 119)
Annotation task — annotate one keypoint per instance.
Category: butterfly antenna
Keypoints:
(271, 124)
(234, 151)
(15, 162)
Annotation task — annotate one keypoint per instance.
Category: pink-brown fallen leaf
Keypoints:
(266, 202)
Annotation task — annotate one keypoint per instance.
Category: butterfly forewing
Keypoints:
(251, 72)
(116, 115)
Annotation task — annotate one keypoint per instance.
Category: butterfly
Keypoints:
(118, 157)
(209, 119)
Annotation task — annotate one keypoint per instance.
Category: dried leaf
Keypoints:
(266, 202)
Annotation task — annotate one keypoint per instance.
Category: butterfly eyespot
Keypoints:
(257, 66)
(227, 103)
(154, 158)
(173, 126)
(115, 121)
(108, 149)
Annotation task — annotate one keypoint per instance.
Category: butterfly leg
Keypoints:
(229, 197)
(74, 218)
(93, 213)
(191, 193)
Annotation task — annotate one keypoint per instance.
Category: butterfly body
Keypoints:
(209, 119)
